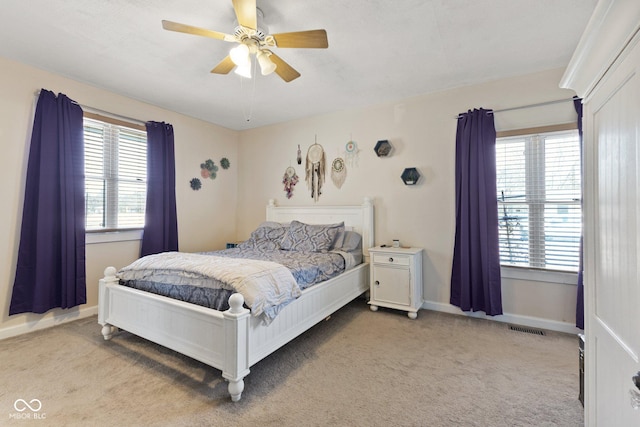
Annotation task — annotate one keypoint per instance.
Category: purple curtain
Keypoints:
(161, 221)
(577, 103)
(50, 271)
(475, 276)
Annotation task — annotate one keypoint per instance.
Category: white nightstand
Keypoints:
(396, 279)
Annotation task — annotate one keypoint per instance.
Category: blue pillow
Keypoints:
(265, 237)
(310, 237)
(348, 241)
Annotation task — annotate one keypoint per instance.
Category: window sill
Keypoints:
(535, 275)
(113, 236)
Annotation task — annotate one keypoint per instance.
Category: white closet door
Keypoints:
(612, 243)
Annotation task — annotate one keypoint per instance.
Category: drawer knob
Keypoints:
(390, 259)
(377, 283)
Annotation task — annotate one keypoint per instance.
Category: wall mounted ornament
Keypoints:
(315, 170)
(224, 162)
(290, 179)
(299, 156)
(351, 153)
(195, 184)
(338, 172)
(383, 148)
(208, 169)
(410, 176)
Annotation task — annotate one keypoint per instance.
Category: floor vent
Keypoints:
(526, 330)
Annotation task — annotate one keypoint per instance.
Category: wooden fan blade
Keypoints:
(284, 70)
(306, 39)
(182, 28)
(246, 13)
(224, 66)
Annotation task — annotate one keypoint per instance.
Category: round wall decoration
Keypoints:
(208, 169)
(195, 184)
(351, 153)
(338, 171)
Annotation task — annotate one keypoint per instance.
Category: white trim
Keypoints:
(536, 275)
(612, 26)
(516, 319)
(47, 322)
(113, 236)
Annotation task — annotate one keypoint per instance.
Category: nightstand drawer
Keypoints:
(391, 259)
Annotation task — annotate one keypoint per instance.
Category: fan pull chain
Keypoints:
(254, 77)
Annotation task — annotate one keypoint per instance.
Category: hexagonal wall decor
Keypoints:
(383, 148)
(410, 176)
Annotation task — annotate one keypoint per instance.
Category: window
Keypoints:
(115, 175)
(539, 200)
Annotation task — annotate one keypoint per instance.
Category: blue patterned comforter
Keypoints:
(308, 268)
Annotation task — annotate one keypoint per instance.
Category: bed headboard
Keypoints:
(358, 218)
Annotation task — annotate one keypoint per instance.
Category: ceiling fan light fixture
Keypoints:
(244, 70)
(240, 55)
(253, 38)
(267, 66)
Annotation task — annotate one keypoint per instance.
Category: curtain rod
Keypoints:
(105, 113)
(540, 104)
(112, 115)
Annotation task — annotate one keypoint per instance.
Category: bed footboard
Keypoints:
(231, 341)
(218, 339)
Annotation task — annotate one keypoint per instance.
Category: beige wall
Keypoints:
(206, 218)
(421, 129)
(422, 132)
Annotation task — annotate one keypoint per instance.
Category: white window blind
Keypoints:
(539, 200)
(115, 175)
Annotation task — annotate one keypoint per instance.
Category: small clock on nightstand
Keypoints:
(396, 279)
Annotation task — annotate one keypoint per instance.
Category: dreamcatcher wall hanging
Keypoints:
(290, 179)
(315, 170)
(351, 151)
(338, 172)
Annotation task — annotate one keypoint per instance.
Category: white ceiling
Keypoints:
(379, 50)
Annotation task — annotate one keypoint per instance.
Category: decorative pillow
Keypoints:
(310, 237)
(265, 237)
(348, 241)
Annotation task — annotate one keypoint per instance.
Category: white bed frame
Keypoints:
(233, 340)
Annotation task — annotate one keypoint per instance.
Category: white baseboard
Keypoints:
(48, 321)
(516, 319)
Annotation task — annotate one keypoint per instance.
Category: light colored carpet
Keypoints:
(357, 369)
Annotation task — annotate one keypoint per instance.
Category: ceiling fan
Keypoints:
(251, 38)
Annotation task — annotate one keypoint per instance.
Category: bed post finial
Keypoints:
(236, 301)
(272, 203)
(110, 272)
